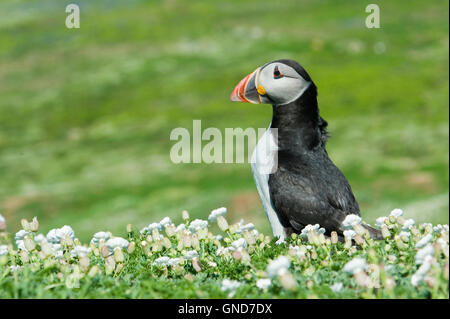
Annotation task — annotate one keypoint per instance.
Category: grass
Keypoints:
(306, 266)
(86, 113)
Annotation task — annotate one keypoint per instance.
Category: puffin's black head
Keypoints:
(279, 82)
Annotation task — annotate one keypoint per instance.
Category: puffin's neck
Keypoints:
(298, 123)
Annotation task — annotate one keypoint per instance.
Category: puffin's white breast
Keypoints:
(264, 162)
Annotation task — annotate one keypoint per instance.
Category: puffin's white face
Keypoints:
(274, 83)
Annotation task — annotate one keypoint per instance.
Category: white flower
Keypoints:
(422, 271)
(198, 224)
(230, 286)
(315, 228)
(355, 265)
(2, 219)
(424, 241)
(3, 249)
(380, 221)
(216, 213)
(59, 254)
(247, 227)
(219, 237)
(116, 242)
(39, 238)
(100, 235)
(298, 252)
(80, 251)
(278, 266)
(440, 228)
(443, 243)
(280, 241)
(180, 227)
(349, 233)
(408, 224)
(388, 268)
(222, 250)
(351, 220)
(14, 268)
(240, 243)
(161, 261)
(191, 254)
(150, 228)
(19, 237)
(404, 233)
(55, 235)
(165, 221)
(423, 253)
(263, 283)
(173, 261)
(336, 287)
(396, 212)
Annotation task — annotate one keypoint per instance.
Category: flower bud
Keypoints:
(110, 264)
(362, 279)
(25, 224)
(131, 247)
(94, 271)
(156, 246)
(196, 264)
(118, 255)
(359, 240)
(400, 244)
(400, 220)
(34, 225)
(129, 228)
(222, 223)
(195, 243)
(385, 231)
(24, 256)
(321, 238)
(29, 243)
(119, 268)
(180, 245)
(84, 263)
(170, 230)
(187, 242)
(237, 255)
(334, 237)
(392, 219)
(348, 243)
(66, 241)
(104, 251)
(46, 249)
(287, 281)
(155, 234)
(185, 215)
(166, 243)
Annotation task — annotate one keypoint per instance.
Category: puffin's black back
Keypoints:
(307, 187)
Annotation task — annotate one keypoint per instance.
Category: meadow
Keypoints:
(86, 114)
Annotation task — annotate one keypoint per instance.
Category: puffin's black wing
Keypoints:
(311, 191)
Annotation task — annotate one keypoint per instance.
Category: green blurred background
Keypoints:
(86, 114)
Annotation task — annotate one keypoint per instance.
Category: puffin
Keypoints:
(297, 182)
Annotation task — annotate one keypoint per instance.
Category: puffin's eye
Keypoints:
(276, 73)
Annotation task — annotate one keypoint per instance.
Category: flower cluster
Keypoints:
(189, 249)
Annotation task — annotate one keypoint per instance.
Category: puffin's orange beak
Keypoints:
(246, 90)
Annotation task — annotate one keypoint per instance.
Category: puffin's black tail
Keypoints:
(374, 233)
